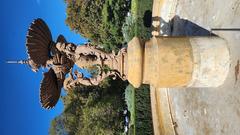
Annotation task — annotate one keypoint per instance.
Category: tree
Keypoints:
(91, 110)
(98, 20)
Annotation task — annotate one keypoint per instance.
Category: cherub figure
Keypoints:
(77, 78)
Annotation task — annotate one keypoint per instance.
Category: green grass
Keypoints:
(138, 8)
(134, 24)
(134, 7)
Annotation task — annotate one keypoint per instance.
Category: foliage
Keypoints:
(98, 20)
(102, 118)
(91, 110)
(144, 125)
(134, 23)
(139, 105)
(130, 101)
(57, 126)
(95, 70)
(128, 28)
(97, 109)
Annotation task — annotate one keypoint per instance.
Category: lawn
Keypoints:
(134, 25)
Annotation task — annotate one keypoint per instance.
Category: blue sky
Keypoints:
(21, 113)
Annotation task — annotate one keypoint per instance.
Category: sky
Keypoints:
(20, 110)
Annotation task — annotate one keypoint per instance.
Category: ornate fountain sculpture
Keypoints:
(162, 62)
(60, 56)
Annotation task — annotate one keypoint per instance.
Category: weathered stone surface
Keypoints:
(178, 62)
(168, 62)
(206, 111)
(135, 62)
(211, 57)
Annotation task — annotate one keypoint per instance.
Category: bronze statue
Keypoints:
(59, 57)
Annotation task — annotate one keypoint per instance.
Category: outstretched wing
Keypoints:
(49, 90)
(61, 39)
(38, 42)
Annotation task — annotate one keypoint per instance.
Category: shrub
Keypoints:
(130, 101)
(139, 104)
(128, 28)
(144, 125)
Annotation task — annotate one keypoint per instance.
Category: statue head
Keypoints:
(65, 47)
(61, 46)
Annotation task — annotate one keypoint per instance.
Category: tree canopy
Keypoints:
(90, 110)
(98, 20)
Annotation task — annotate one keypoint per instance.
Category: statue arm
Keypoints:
(95, 80)
(70, 82)
(92, 50)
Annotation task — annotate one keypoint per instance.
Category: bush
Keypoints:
(144, 125)
(130, 101)
(139, 104)
(128, 28)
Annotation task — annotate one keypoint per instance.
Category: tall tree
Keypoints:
(98, 20)
(90, 110)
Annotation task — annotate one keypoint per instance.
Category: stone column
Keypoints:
(178, 62)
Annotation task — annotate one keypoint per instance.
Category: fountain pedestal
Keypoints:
(178, 62)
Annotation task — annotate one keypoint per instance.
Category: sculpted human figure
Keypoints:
(78, 78)
(76, 52)
(59, 58)
(60, 64)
